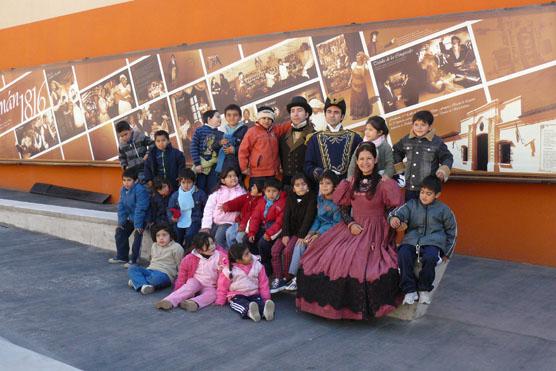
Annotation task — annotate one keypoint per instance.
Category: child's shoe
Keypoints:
(164, 304)
(189, 305)
(424, 297)
(292, 286)
(277, 285)
(116, 261)
(147, 289)
(253, 312)
(129, 264)
(410, 298)
(268, 311)
(130, 284)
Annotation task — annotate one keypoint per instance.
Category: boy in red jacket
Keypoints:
(265, 224)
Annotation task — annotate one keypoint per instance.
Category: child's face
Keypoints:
(271, 193)
(232, 117)
(186, 184)
(420, 128)
(208, 249)
(427, 196)
(371, 133)
(255, 190)
(161, 142)
(300, 187)
(246, 258)
(265, 122)
(326, 187)
(163, 238)
(366, 162)
(124, 136)
(127, 182)
(231, 179)
(164, 191)
(215, 121)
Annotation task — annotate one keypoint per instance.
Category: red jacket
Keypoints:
(189, 263)
(245, 204)
(275, 215)
(258, 150)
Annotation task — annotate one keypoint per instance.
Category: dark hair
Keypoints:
(425, 116)
(160, 133)
(159, 182)
(259, 184)
(161, 227)
(379, 124)
(235, 253)
(455, 38)
(232, 107)
(130, 173)
(208, 115)
(200, 240)
(358, 175)
(330, 175)
(298, 176)
(274, 183)
(122, 126)
(187, 174)
(433, 183)
(223, 174)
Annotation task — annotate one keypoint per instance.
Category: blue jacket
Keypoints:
(169, 162)
(434, 224)
(200, 199)
(202, 143)
(231, 161)
(328, 215)
(134, 206)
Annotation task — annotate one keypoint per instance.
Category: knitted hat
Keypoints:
(338, 102)
(265, 111)
(299, 101)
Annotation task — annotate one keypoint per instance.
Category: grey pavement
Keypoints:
(63, 301)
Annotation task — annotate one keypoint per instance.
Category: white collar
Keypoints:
(336, 129)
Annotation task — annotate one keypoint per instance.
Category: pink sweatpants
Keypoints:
(207, 294)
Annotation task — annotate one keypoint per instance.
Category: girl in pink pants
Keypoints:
(195, 287)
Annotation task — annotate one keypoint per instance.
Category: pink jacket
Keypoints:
(213, 212)
(189, 264)
(246, 280)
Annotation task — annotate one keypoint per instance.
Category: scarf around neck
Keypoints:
(186, 202)
(268, 204)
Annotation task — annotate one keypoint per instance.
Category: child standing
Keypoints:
(430, 237)
(164, 160)
(244, 285)
(266, 221)
(133, 148)
(195, 287)
(185, 208)
(228, 141)
(426, 154)
(301, 207)
(202, 152)
(165, 257)
(215, 219)
(132, 216)
(376, 131)
(159, 201)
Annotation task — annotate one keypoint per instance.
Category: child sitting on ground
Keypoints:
(165, 258)
(430, 238)
(301, 207)
(159, 201)
(195, 287)
(244, 284)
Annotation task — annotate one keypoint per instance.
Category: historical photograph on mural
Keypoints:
(181, 67)
(147, 79)
(36, 136)
(110, 98)
(279, 68)
(220, 56)
(426, 70)
(103, 142)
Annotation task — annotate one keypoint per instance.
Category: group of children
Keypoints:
(219, 243)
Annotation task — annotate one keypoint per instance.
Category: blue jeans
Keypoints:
(219, 233)
(141, 276)
(298, 251)
(233, 236)
(407, 257)
(122, 243)
(184, 235)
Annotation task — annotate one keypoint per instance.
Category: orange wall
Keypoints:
(502, 221)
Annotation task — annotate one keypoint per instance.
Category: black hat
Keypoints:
(299, 101)
(338, 102)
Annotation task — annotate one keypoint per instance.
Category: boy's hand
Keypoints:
(174, 219)
(198, 169)
(223, 142)
(252, 239)
(355, 229)
(395, 222)
(246, 172)
(229, 150)
(402, 227)
(285, 240)
(267, 238)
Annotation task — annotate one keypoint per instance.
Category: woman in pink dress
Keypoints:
(351, 271)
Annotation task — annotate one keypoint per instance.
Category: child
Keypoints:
(133, 210)
(426, 154)
(185, 208)
(245, 204)
(165, 257)
(376, 131)
(164, 160)
(195, 287)
(430, 238)
(265, 224)
(215, 219)
(244, 285)
(202, 152)
(159, 201)
(133, 148)
(301, 207)
(328, 215)
(227, 143)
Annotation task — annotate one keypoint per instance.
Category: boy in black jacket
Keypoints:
(164, 161)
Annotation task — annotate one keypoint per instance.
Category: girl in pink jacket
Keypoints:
(244, 285)
(215, 219)
(195, 287)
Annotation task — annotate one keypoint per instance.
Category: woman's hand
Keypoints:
(310, 238)
(355, 229)
(285, 240)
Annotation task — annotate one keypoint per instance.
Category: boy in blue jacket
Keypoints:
(430, 237)
(133, 209)
(164, 161)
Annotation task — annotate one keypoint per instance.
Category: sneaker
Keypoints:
(147, 289)
(292, 286)
(277, 285)
(268, 310)
(410, 298)
(189, 305)
(129, 264)
(130, 284)
(164, 304)
(116, 261)
(253, 312)
(424, 297)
